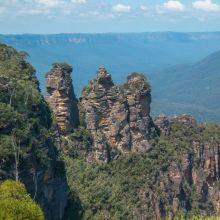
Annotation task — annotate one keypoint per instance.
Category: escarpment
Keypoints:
(118, 117)
(27, 147)
(179, 174)
(61, 97)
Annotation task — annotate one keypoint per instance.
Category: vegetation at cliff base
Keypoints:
(16, 203)
(128, 187)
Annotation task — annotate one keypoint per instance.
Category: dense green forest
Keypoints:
(126, 187)
(27, 150)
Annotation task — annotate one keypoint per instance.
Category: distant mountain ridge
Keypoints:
(119, 53)
(194, 88)
(97, 37)
(153, 54)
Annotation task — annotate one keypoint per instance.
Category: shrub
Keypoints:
(16, 203)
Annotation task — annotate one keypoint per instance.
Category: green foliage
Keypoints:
(16, 203)
(8, 116)
(79, 142)
(114, 190)
(13, 65)
(193, 217)
(27, 135)
(66, 67)
(25, 119)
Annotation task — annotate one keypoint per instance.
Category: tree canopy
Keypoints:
(16, 203)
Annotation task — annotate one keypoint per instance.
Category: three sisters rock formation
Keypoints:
(117, 117)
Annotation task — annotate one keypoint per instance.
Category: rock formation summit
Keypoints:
(118, 117)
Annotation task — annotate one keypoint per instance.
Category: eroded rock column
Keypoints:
(61, 97)
(118, 117)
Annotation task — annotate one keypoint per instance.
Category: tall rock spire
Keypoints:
(103, 77)
(61, 97)
(118, 117)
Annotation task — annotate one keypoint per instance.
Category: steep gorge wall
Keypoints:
(192, 180)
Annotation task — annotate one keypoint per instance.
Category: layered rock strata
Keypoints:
(118, 117)
(61, 97)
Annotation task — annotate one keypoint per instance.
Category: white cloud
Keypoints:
(49, 3)
(79, 1)
(89, 13)
(206, 5)
(174, 5)
(34, 11)
(143, 8)
(121, 8)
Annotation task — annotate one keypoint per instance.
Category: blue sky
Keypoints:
(91, 16)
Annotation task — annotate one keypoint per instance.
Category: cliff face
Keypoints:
(61, 97)
(192, 180)
(118, 117)
(27, 149)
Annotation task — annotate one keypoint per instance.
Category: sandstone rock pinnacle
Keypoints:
(61, 97)
(118, 117)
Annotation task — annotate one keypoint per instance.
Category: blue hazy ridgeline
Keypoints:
(182, 80)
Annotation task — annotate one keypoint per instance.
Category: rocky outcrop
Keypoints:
(118, 117)
(163, 124)
(206, 175)
(198, 171)
(61, 98)
(186, 120)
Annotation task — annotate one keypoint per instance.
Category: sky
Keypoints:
(100, 16)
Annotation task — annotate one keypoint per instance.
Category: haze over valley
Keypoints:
(175, 64)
